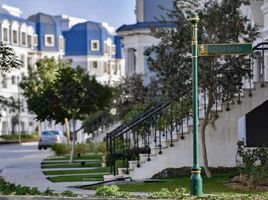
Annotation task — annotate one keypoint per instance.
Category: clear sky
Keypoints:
(115, 12)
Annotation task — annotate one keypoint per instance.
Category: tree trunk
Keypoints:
(73, 144)
(203, 136)
(39, 129)
(67, 130)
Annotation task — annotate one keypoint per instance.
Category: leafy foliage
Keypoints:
(114, 192)
(12, 189)
(61, 149)
(111, 191)
(54, 91)
(81, 149)
(164, 193)
(24, 137)
(8, 59)
(253, 164)
(220, 78)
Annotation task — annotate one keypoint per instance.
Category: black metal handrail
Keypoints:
(141, 134)
(136, 118)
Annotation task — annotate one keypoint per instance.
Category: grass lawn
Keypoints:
(86, 157)
(217, 184)
(60, 172)
(91, 160)
(67, 162)
(73, 165)
(92, 177)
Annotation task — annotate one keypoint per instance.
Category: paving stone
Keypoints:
(20, 164)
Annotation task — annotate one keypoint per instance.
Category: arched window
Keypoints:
(23, 34)
(15, 33)
(30, 36)
(5, 31)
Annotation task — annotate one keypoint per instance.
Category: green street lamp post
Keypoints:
(196, 179)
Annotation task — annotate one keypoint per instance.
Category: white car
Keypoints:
(50, 137)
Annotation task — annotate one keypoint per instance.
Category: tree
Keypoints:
(132, 92)
(219, 77)
(55, 91)
(38, 88)
(80, 94)
(8, 61)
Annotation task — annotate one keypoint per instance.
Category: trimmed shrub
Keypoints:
(81, 149)
(61, 149)
(102, 148)
(112, 192)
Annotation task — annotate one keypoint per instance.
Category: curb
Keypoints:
(8, 142)
(5, 197)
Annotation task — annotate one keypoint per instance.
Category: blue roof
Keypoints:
(43, 18)
(118, 45)
(78, 37)
(13, 18)
(144, 25)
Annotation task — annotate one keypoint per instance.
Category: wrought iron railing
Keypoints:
(146, 131)
(157, 124)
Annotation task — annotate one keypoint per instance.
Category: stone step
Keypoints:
(111, 177)
(123, 171)
(144, 157)
(132, 164)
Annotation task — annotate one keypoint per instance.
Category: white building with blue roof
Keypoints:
(96, 48)
(93, 46)
(136, 38)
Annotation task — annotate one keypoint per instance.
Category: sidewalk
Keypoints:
(25, 170)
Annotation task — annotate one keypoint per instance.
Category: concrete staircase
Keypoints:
(221, 141)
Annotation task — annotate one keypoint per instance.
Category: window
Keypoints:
(95, 46)
(49, 40)
(119, 68)
(61, 43)
(23, 39)
(115, 69)
(109, 68)
(5, 35)
(105, 67)
(113, 50)
(4, 82)
(95, 64)
(22, 58)
(106, 48)
(22, 109)
(13, 80)
(30, 41)
(35, 40)
(15, 37)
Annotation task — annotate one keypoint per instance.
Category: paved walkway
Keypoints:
(20, 164)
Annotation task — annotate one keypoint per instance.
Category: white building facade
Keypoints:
(43, 35)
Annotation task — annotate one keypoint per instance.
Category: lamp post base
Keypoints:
(196, 184)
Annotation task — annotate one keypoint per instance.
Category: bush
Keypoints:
(102, 148)
(68, 193)
(24, 137)
(254, 163)
(61, 149)
(164, 193)
(81, 149)
(111, 192)
(91, 147)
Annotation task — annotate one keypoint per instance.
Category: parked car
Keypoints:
(50, 137)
